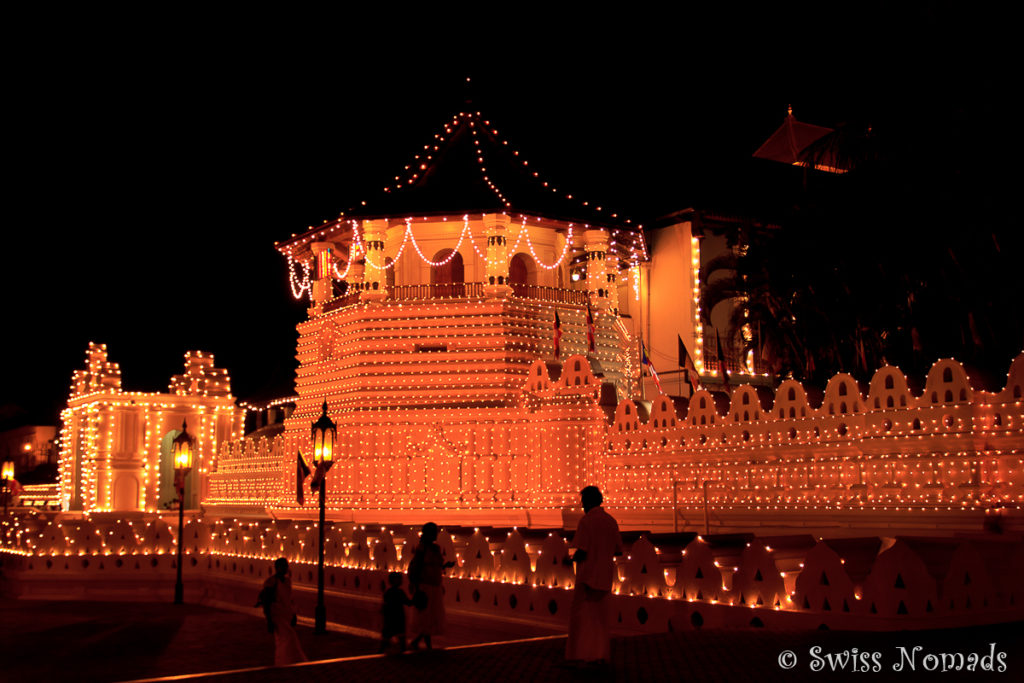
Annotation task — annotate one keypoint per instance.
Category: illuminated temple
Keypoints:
(431, 335)
(476, 335)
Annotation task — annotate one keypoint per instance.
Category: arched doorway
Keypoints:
(522, 270)
(389, 274)
(450, 276)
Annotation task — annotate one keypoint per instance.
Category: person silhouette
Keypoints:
(426, 571)
(393, 613)
(276, 600)
(597, 541)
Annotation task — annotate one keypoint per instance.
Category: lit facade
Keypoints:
(116, 445)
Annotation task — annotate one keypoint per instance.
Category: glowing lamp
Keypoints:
(182, 448)
(7, 472)
(325, 434)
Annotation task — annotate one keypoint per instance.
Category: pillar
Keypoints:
(496, 273)
(612, 279)
(596, 246)
(323, 287)
(354, 278)
(374, 280)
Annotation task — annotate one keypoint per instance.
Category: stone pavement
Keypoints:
(90, 641)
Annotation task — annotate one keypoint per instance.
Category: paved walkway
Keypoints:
(105, 642)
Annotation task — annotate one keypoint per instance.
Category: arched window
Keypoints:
(452, 272)
(889, 383)
(947, 375)
(842, 388)
(792, 394)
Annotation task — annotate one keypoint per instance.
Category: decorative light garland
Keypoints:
(299, 286)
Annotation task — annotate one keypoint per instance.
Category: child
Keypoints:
(393, 611)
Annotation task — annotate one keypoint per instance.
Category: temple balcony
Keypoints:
(463, 290)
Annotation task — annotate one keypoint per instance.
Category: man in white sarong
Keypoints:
(597, 542)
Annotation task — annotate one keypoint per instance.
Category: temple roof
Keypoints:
(468, 168)
(789, 142)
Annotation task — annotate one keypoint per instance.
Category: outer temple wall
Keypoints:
(669, 582)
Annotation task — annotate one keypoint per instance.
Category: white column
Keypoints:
(596, 246)
(496, 274)
(374, 280)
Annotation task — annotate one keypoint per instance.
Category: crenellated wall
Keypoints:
(951, 449)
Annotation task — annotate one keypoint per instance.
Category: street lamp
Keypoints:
(7, 472)
(325, 434)
(182, 449)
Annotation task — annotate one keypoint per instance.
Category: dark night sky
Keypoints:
(153, 174)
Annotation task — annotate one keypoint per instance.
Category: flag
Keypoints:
(558, 336)
(318, 476)
(650, 368)
(721, 361)
(686, 363)
(590, 328)
(301, 472)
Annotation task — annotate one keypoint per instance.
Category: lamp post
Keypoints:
(325, 434)
(7, 472)
(182, 449)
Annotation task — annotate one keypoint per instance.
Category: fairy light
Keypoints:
(561, 257)
(298, 286)
(698, 326)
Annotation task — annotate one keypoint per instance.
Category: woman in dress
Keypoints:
(426, 570)
(276, 598)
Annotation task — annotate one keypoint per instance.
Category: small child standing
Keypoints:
(393, 611)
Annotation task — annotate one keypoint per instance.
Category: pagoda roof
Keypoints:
(468, 168)
(789, 142)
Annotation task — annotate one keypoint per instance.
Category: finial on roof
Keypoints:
(789, 110)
